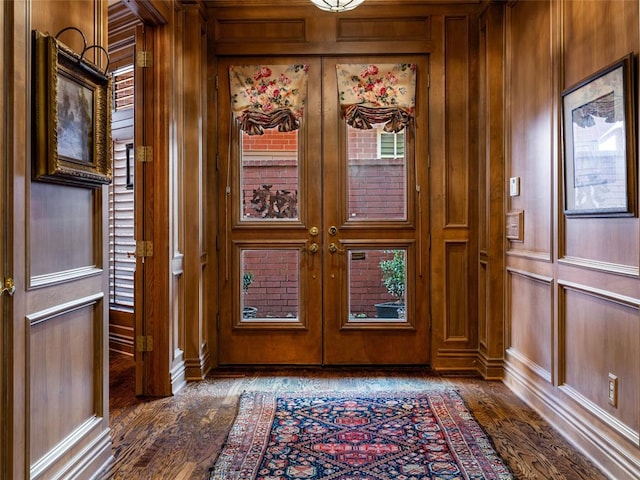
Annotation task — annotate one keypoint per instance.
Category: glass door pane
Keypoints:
(270, 285)
(377, 174)
(269, 175)
(377, 285)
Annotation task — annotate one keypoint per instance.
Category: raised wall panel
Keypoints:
(530, 134)
(483, 161)
(363, 29)
(229, 30)
(457, 108)
(62, 229)
(457, 291)
(64, 361)
(600, 334)
(530, 320)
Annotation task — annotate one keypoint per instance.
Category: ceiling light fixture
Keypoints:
(336, 5)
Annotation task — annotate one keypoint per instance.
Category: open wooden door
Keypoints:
(53, 245)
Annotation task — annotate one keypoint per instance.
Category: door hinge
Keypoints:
(144, 59)
(144, 248)
(144, 153)
(144, 343)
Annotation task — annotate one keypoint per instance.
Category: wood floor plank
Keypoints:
(181, 436)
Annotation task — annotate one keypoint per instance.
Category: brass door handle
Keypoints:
(313, 248)
(333, 248)
(8, 288)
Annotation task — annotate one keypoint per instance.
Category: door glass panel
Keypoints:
(377, 174)
(269, 175)
(270, 285)
(377, 285)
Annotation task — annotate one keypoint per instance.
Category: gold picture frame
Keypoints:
(71, 116)
(600, 143)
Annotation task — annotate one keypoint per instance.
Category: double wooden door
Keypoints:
(318, 226)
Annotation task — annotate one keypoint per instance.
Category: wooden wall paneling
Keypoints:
(61, 228)
(600, 333)
(491, 219)
(595, 34)
(457, 108)
(57, 375)
(453, 144)
(194, 63)
(591, 266)
(530, 127)
(457, 288)
(530, 320)
(300, 29)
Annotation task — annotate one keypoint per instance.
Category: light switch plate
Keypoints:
(514, 186)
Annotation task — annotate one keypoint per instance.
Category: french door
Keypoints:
(323, 232)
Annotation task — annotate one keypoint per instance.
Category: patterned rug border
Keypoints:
(247, 399)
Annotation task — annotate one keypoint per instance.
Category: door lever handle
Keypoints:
(8, 288)
(333, 248)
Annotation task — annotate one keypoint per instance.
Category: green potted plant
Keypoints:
(247, 280)
(394, 279)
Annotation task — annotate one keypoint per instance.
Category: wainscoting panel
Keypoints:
(599, 334)
(62, 229)
(530, 320)
(457, 264)
(64, 361)
(458, 111)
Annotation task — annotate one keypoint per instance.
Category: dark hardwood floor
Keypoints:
(180, 437)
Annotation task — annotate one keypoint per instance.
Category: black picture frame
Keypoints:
(599, 143)
(71, 116)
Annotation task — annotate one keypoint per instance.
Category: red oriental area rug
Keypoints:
(346, 436)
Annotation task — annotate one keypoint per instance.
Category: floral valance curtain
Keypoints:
(383, 93)
(268, 96)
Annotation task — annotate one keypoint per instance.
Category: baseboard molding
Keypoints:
(453, 361)
(490, 368)
(616, 458)
(196, 369)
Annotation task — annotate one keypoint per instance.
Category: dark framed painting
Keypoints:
(71, 116)
(599, 139)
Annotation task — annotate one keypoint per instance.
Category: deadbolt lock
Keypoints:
(333, 230)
